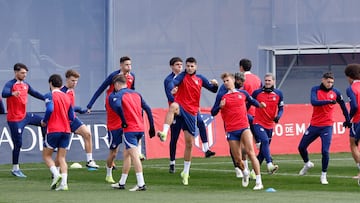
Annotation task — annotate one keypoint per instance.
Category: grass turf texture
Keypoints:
(211, 180)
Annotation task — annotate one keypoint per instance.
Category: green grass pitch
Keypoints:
(211, 180)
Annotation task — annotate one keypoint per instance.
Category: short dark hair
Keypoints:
(246, 64)
(124, 58)
(173, 60)
(240, 76)
(55, 80)
(191, 60)
(19, 66)
(72, 72)
(120, 78)
(328, 75)
(353, 71)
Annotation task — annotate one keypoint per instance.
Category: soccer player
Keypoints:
(234, 114)
(113, 121)
(16, 93)
(239, 82)
(176, 67)
(252, 82)
(77, 126)
(352, 72)
(265, 118)
(129, 105)
(186, 106)
(323, 99)
(59, 113)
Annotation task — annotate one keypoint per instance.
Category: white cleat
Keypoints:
(245, 180)
(323, 180)
(306, 167)
(238, 172)
(258, 186)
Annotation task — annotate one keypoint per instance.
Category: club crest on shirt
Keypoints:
(239, 96)
(274, 98)
(196, 82)
(331, 96)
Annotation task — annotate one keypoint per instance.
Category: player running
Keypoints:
(176, 67)
(265, 118)
(186, 105)
(234, 114)
(352, 72)
(323, 99)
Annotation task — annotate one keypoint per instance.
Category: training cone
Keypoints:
(270, 190)
(75, 165)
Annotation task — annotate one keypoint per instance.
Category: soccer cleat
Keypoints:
(306, 167)
(185, 178)
(55, 181)
(258, 186)
(245, 180)
(18, 173)
(238, 172)
(272, 169)
(209, 154)
(252, 174)
(92, 164)
(172, 168)
(142, 157)
(138, 188)
(62, 188)
(109, 179)
(118, 186)
(323, 180)
(162, 136)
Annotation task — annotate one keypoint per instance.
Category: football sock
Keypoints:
(246, 164)
(108, 171)
(64, 178)
(89, 157)
(123, 179)
(258, 179)
(54, 170)
(166, 128)
(358, 165)
(140, 179)
(139, 147)
(206, 146)
(172, 162)
(16, 167)
(187, 167)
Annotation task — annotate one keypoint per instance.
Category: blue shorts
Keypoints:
(235, 135)
(115, 138)
(188, 121)
(131, 139)
(75, 124)
(57, 140)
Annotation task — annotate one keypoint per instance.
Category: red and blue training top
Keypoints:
(16, 105)
(273, 98)
(128, 104)
(189, 91)
(323, 106)
(59, 112)
(353, 92)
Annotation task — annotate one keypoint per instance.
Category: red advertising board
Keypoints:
(286, 136)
